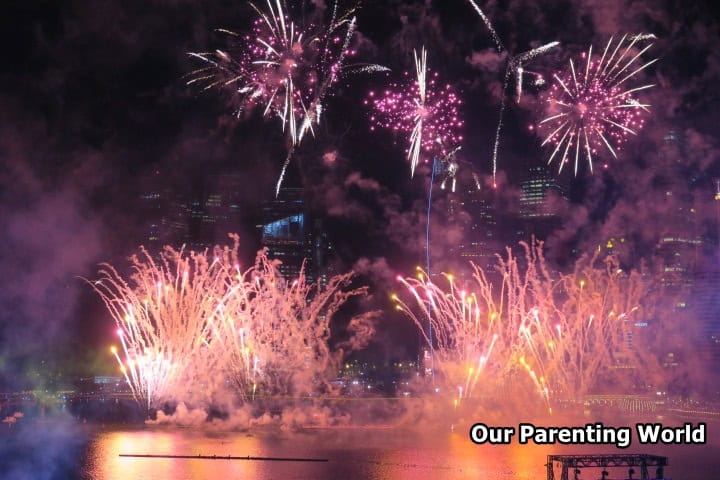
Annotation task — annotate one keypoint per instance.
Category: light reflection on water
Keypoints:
(354, 454)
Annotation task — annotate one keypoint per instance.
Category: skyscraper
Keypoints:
(705, 308)
(294, 238)
(215, 210)
(687, 267)
(538, 212)
(165, 213)
(473, 212)
(705, 295)
(199, 217)
(680, 242)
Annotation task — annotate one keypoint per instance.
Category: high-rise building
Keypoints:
(174, 226)
(704, 298)
(322, 253)
(685, 252)
(680, 244)
(198, 218)
(539, 202)
(152, 205)
(293, 237)
(711, 230)
(165, 213)
(215, 210)
(473, 212)
(705, 308)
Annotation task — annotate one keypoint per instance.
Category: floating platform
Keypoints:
(577, 462)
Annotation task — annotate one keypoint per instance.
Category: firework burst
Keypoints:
(286, 68)
(464, 335)
(591, 108)
(188, 323)
(421, 108)
(164, 318)
(275, 338)
(524, 328)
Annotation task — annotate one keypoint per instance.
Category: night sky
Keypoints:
(93, 97)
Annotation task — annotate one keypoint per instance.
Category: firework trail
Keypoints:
(429, 116)
(421, 109)
(528, 328)
(165, 316)
(188, 323)
(643, 36)
(590, 108)
(285, 68)
(515, 66)
(283, 347)
(447, 168)
(464, 339)
(496, 38)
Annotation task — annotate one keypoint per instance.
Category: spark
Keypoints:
(515, 66)
(589, 107)
(421, 108)
(449, 166)
(285, 68)
(209, 324)
(522, 333)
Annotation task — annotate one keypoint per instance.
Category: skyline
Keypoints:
(83, 122)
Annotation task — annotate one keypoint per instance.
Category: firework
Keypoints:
(276, 334)
(515, 66)
(422, 109)
(591, 108)
(189, 322)
(464, 339)
(523, 327)
(285, 68)
(450, 167)
(164, 318)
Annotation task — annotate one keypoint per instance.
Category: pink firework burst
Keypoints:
(421, 108)
(286, 68)
(591, 109)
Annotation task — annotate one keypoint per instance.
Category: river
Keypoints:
(66, 450)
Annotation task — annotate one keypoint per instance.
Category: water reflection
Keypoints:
(104, 461)
(352, 454)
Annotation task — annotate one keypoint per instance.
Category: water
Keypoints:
(67, 451)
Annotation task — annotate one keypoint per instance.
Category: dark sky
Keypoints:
(93, 97)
